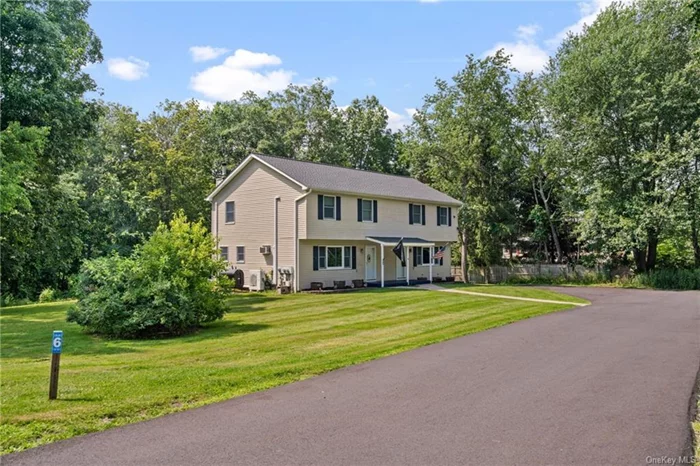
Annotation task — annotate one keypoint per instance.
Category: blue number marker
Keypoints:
(57, 341)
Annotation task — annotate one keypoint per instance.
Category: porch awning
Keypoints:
(393, 241)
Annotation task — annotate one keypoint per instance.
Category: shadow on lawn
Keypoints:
(242, 303)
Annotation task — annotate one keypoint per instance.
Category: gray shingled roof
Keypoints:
(331, 178)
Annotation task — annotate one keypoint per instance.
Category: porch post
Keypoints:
(408, 267)
(381, 248)
(430, 267)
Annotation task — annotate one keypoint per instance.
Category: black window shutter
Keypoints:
(337, 207)
(374, 209)
(415, 256)
(449, 216)
(438, 215)
(315, 257)
(320, 206)
(410, 214)
(422, 213)
(354, 257)
(359, 210)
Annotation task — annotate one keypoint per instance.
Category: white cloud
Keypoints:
(206, 52)
(526, 54)
(329, 80)
(527, 31)
(128, 69)
(589, 11)
(236, 75)
(398, 121)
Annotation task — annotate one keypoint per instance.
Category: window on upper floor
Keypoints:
(329, 207)
(443, 216)
(230, 212)
(417, 214)
(367, 211)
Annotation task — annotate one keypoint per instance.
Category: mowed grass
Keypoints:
(520, 291)
(265, 340)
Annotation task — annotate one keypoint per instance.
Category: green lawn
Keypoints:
(265, 340)
(521, 291)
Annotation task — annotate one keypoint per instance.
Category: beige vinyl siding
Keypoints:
(392, 221)
(253, 190)
(308, 274)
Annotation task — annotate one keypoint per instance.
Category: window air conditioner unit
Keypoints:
(256, 281)
(266, 249)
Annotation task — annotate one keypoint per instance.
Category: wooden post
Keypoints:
(56, 347)
(53, 385)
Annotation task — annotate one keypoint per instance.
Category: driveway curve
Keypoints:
(609, 383)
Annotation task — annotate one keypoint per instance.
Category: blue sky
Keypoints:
(393, 50)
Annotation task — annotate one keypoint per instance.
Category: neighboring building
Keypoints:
(331, 223)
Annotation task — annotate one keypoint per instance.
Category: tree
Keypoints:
(45, 122)
(367, 141)
(462, 141)
(622, 91)
(538, 151)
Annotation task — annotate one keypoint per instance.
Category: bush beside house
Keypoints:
(168, 286)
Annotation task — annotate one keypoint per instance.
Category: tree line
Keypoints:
(595, 159)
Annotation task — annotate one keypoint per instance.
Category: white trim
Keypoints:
(240, 246)
(241, 166)
(405, 243)
(381, 248)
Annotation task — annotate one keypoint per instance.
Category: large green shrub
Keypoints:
(168, 286)
(47, 295)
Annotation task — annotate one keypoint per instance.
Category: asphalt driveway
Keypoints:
(607, 384)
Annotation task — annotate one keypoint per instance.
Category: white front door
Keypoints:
(400, 270)
(370, 263)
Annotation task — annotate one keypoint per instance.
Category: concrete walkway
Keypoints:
(432, 287)
(609, 385)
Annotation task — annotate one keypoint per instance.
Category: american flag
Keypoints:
(439, 253)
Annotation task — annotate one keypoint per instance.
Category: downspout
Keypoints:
(275, 279)
(296, 239)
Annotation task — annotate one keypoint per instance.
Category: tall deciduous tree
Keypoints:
(624, 90)
(463, 142)
(368, 142)
(45, 48)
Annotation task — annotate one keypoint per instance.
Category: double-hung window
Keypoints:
(334, 257)
(443, 217)
(224, 252)
(417, 214)
(426, 254)
(329, 207)
(367, 212)
(240, 254)
(230, 212)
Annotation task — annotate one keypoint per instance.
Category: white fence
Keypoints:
(499, 273)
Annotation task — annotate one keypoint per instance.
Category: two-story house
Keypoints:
(331, 223)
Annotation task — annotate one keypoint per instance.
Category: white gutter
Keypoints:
(275, 242)
(296, 239)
